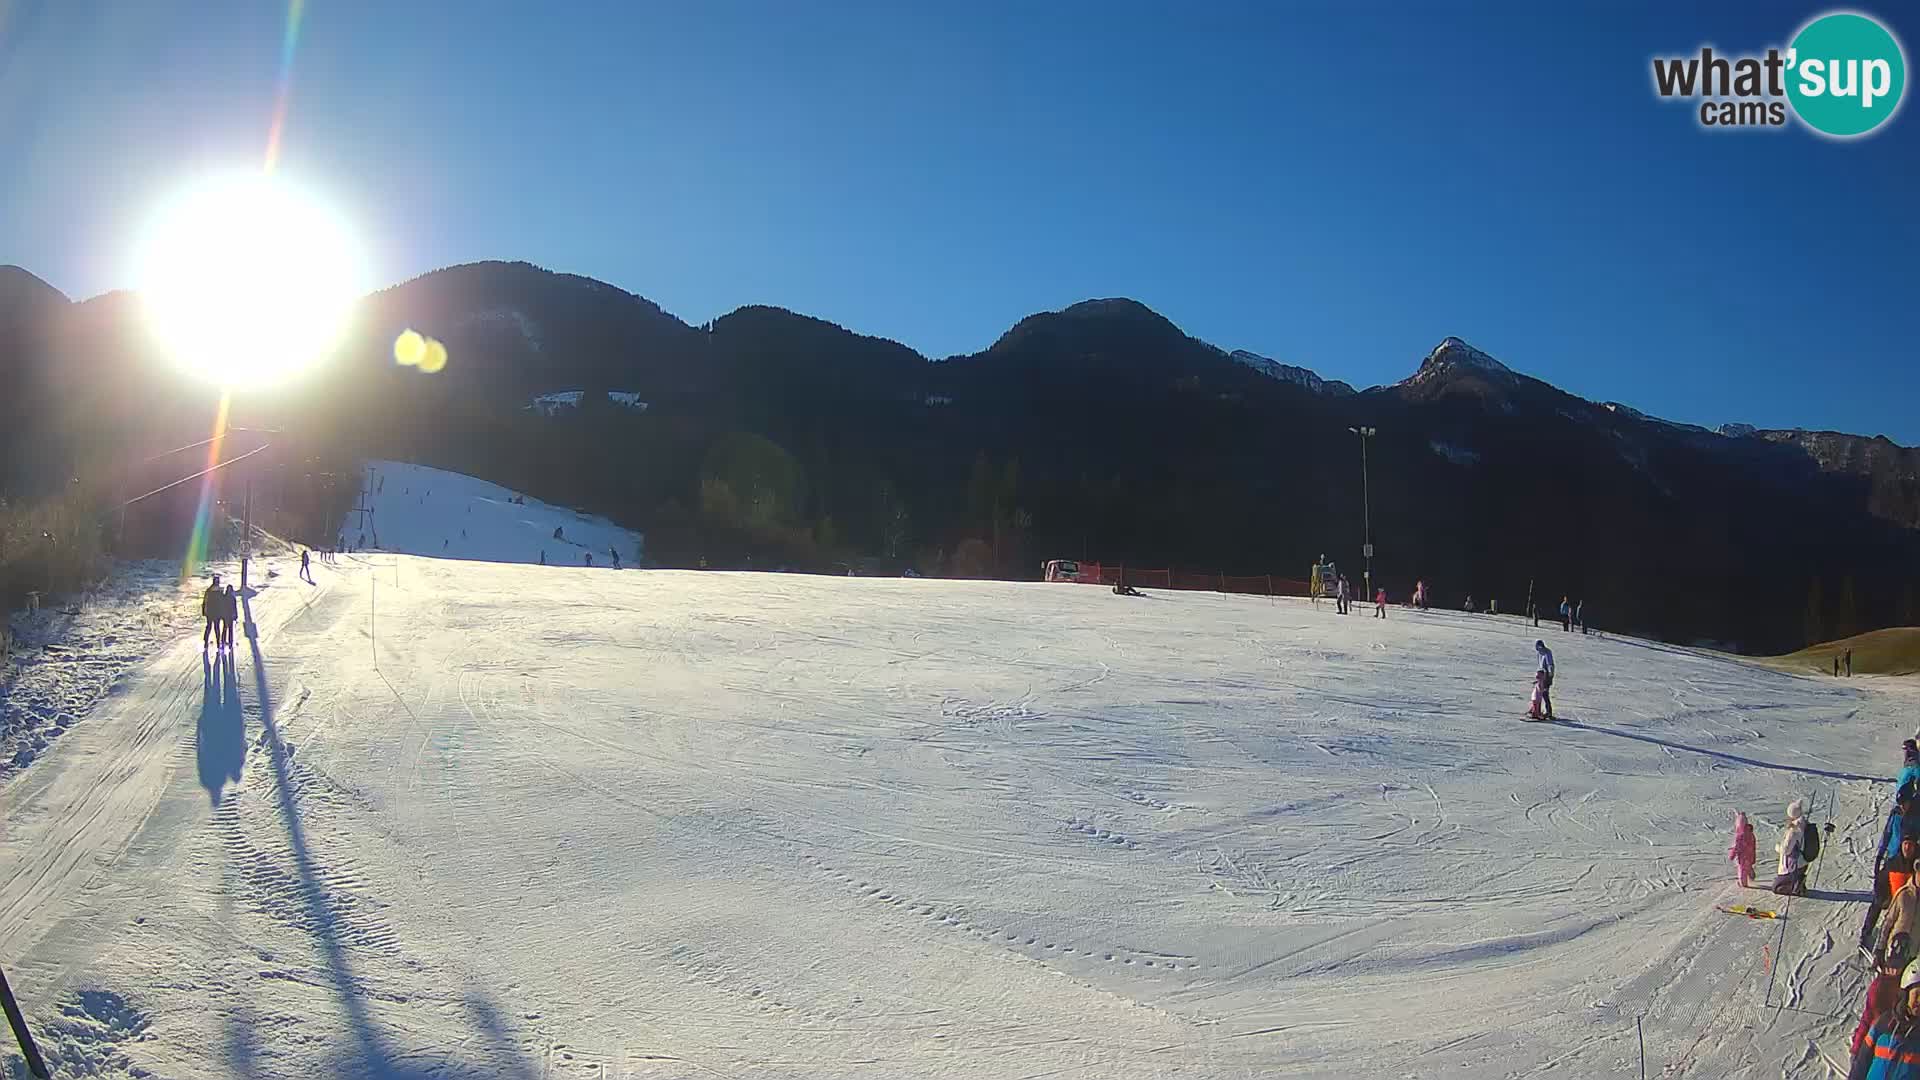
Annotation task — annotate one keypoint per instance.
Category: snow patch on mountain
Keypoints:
(1738, 431)
(1298, 376)
(1454, 354)
(566, 400)
(549, 404)
(1459, 455)
(500, 320)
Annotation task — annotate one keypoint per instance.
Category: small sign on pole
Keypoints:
(1367, 552)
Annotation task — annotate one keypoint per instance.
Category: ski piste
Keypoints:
(610, 741)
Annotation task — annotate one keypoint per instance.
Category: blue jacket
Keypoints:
(1908, 775)
(1891, 1052)
(1890, 836)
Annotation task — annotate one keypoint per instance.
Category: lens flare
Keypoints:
(408, 348)
(434, 360)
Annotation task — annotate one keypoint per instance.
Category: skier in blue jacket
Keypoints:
(1910, 766)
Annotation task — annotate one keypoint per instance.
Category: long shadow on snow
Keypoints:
(1830, 774)
(376, 1056)
(219, 742)
(1851, 896)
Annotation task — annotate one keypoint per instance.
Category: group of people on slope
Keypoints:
(1886, 1042)
(220, 608)
(1799, 845)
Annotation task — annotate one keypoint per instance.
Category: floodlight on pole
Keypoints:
(1366, 510)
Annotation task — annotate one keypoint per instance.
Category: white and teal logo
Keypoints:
(1844, 75)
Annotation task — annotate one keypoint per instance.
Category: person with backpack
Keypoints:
(1891, 1049)
(1890, 875)
(210, 611)
(1791, 877)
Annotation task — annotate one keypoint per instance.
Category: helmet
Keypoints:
(1910, 978)
(1540, 645)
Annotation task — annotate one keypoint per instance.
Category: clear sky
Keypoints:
(1333, 187)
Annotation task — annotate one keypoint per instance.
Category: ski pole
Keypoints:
(27, 1049)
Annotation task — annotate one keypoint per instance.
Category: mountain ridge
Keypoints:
(1099, 430)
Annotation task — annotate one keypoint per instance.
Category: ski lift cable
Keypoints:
(195, 476)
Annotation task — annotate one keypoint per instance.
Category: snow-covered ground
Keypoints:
(75, 649)
(464, 819)
(422, 511)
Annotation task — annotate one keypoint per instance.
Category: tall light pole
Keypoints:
(1366, 510)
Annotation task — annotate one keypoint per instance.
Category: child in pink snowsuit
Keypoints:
(1742, 852)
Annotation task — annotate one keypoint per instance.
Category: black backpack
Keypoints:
(1809, 840)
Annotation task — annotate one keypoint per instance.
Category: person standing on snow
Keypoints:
(1742, 852)
(306, 565)
(1379, 603)
(1340, 596)
(1566, 616)
(1909, 766)
(210, 611)
(1543, 682)
(1903, 901)
(1891, 1050)
(229, 614)
(1883, 989)
(1580, 615)
(1791, 878)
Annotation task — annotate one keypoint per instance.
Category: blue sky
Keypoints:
(1334, 187)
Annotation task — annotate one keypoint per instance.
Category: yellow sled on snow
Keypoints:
(1751, 912)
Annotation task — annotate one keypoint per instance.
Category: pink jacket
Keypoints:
(1742, 851)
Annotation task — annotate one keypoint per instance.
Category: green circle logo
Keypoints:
(1846, 74)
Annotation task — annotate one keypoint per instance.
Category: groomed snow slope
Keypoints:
(683, 824)
(422, 511)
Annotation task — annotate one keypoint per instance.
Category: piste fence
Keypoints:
(1110, 575)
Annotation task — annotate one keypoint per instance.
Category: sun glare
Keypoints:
(247, 281)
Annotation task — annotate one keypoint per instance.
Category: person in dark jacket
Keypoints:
(210, 611)
(1888, 876)
(1566, 615)
(229, 612)
(1891, 1049)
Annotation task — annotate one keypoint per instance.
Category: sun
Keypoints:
(247, 280)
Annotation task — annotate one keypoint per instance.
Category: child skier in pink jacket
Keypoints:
(1742, 851)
